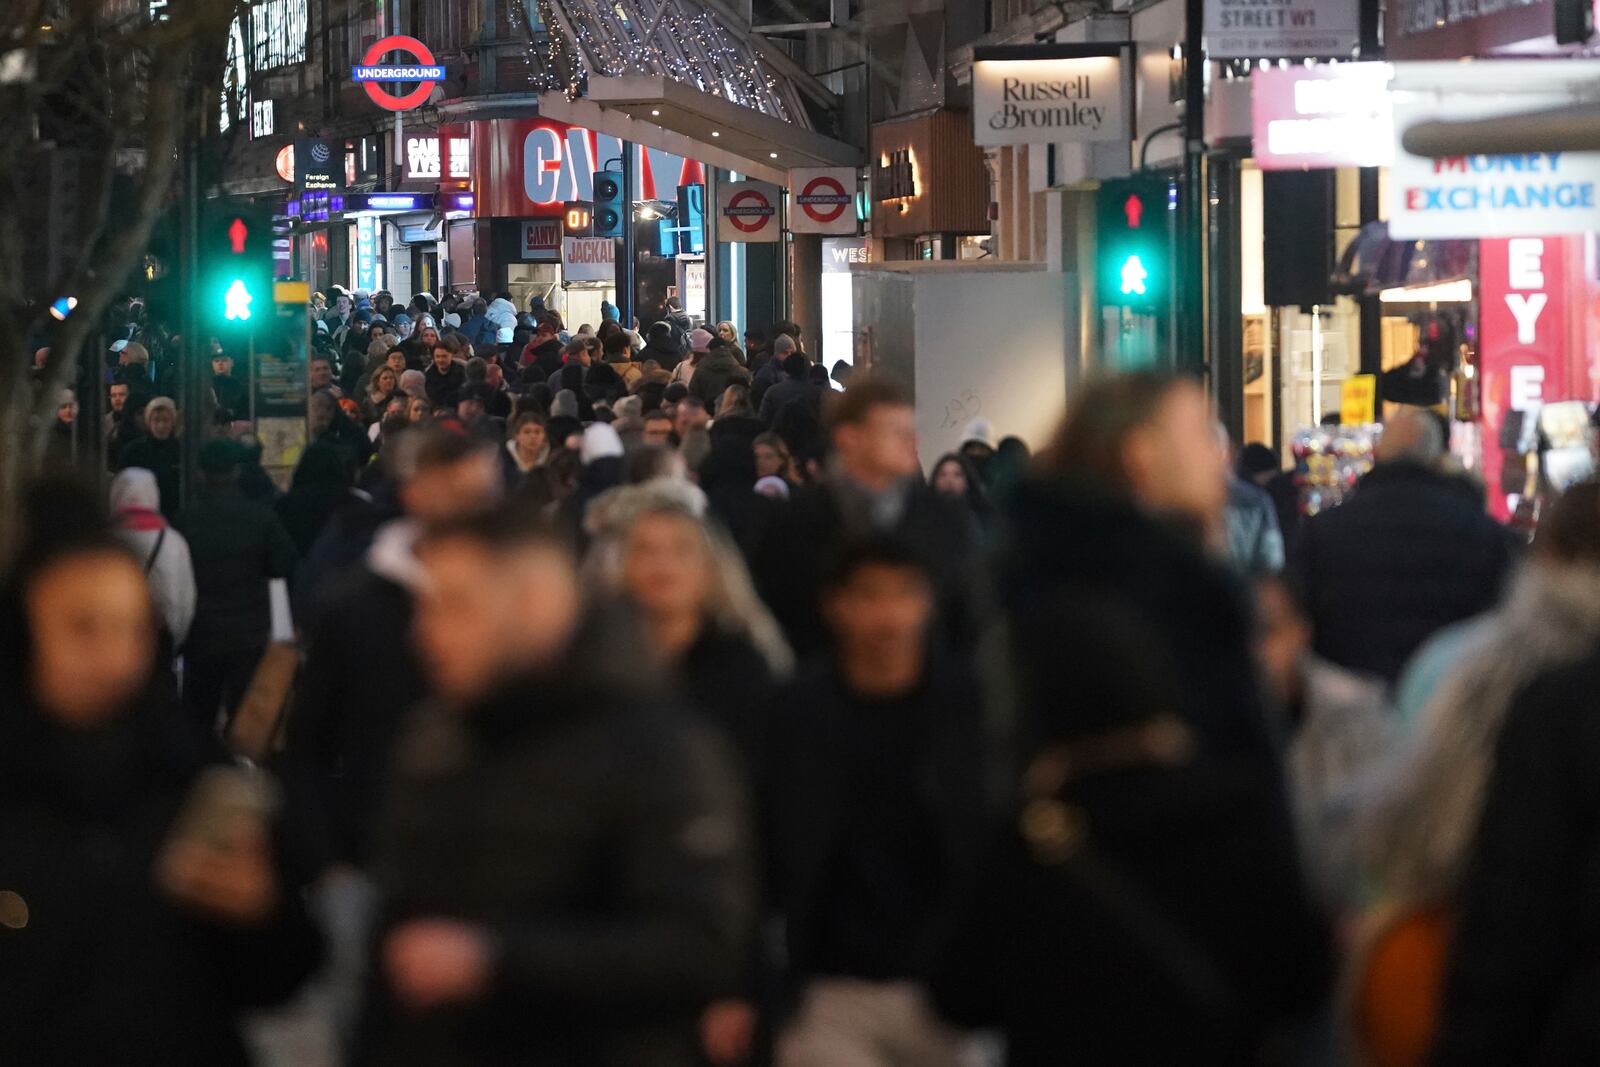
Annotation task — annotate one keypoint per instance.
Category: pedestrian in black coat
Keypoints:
(124, 936)
(361, 673)
(566, 860)
(1411, 552)
(236, 546)
(1151, 849)
(873, 488)
(158, 452)
(873, 808)
(1524, 969)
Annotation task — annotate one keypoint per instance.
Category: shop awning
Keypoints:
(748, 141)
(684, 67)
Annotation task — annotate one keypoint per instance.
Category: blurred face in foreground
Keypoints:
(879, 617)
(445, 491)
(485, 615)
(1174, 461)
(666, 567)
(92, 608)
(882, 448)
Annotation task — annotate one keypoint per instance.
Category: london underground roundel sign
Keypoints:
(425, 72)
(749, 210)
(823, 198)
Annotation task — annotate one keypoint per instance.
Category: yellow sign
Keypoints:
(1358, 400)
(291, 292)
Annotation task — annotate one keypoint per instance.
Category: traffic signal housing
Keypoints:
(610, 213)
(1134, 242)
(234, 288)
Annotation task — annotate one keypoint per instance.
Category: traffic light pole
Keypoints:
(1193, 290)
(625, 286)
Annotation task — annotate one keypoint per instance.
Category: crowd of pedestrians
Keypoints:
(649, 702)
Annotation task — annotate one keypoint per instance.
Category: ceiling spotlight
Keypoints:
(714, 133)
(772, 155)
(655, 111)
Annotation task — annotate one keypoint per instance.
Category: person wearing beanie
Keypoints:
(660, 346)
(699, 344)
(472, 408)
(565, 405)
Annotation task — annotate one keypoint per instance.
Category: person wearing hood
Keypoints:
(527, 447)
(1135, 696)
(502, 314)
(158, 451)
(716, 368)
(477, 328)
(601, 454)
(544, 351)
(339, 739)
(139, 922)
(237, 546)
(797, 387)
(160, 550)
(661, 346)
(480, 961)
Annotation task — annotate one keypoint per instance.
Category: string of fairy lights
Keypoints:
(687, 44)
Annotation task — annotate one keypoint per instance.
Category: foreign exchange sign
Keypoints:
(1048, 94)
(1524, 195)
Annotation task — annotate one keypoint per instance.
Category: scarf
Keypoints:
(139, 519)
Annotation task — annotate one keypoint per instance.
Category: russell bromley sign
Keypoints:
(1049, 94)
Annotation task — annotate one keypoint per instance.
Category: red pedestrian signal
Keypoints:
(1134, 209)
(236, 235)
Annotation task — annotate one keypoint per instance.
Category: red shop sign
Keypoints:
(1522, 356)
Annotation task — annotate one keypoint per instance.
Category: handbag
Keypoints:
(1058, 838)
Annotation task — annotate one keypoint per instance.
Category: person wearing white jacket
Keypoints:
(160, 549)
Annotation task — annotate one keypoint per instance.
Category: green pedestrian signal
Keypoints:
(236, 301)
(1134, 238)
(234, 293)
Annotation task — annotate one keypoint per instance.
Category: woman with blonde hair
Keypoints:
(655, 549)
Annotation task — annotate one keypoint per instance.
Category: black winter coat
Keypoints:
(443, 389)
(604, 842)
(164, 459)
(814, 796)
(236, 545)
(718, 369)
(106, 969)
(799, 542)
(1195, 938)
(1523, 981)
(1410, 553)
(360, 679)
